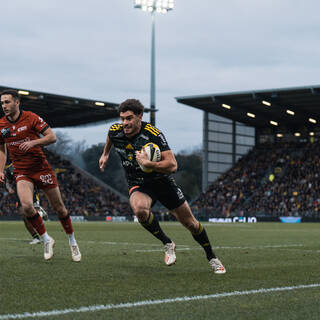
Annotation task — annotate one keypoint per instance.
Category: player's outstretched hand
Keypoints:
(102, 162)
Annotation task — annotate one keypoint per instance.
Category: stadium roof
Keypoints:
(288, 108)
(65, 111)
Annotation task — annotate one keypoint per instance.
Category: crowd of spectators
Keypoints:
(81, 194)
(272, 179)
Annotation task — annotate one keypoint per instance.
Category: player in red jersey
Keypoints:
(23, 133)
(11, 188)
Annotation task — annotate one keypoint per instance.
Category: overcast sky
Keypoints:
(101, 49)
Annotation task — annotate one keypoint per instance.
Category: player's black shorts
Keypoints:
(164, 190)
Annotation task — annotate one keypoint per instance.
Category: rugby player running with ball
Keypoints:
(128, 139)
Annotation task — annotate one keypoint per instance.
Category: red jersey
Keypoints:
(27, 127)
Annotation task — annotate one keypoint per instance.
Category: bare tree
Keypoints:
(63, 144)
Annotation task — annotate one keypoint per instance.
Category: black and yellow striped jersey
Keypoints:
(126, 148)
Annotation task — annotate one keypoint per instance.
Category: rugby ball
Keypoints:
(153, 152)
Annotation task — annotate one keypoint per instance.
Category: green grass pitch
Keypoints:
(122, 263)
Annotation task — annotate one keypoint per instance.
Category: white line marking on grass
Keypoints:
(221, 224)
(151, 302)
(14, 239)
(182, 247)
(177, 249)
(256, 247)
(120, 243)
(125, 243)
(113, 243)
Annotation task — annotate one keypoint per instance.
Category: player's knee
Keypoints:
(192, 226)
(27, 209)
(59, 209)
(141, 213)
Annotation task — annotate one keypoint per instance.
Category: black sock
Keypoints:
(152, 225)
(202, 238)
(35, 236)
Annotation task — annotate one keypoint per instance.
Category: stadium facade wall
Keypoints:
(224, 142)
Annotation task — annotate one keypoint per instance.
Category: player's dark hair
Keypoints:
(12, 92)
(133, 105)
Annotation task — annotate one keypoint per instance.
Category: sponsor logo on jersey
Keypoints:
(126, 163)
(144, 137)
(5, 132)
(129, 146)
(15, 143)
(122, 151)
(180, 193)
(22, 128)
(163, 139)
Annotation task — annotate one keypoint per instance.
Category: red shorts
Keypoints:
(43, 179)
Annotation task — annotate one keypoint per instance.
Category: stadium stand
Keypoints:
(82, 194)
(279, 179)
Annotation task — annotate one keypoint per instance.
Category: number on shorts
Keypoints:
(46, 179)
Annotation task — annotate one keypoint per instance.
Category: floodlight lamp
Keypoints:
(290, 112)
(297, 134)
(267, 103)
(23, 92)
(160, 6)
(312, 120)
(251, 115)
(311, 133)
(100, 104)
(274, 123)
(226, 106)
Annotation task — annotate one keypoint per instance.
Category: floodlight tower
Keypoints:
(153, 6)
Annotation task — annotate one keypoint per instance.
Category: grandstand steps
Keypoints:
(88, 175)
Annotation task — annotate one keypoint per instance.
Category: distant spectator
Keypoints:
(274, 179)
(81, 194)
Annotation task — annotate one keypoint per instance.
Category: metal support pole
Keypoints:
(153, 77)
(234, 142)
(205, 147)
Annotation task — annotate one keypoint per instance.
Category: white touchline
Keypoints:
(151, 302)
(113, 243)
(14, 239)
(253, 247)
(184, 247)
